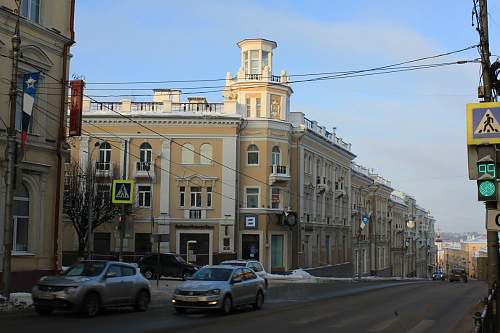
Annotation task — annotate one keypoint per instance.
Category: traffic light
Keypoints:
(486, 169)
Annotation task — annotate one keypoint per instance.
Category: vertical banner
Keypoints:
(30, 84)
(75, 110)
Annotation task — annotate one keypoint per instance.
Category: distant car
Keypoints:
(438, 276)
(254, 265)
(458, 274)
(220, 287)
(89, 286)
(171, 264)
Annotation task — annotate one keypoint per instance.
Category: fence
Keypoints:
(485, 321)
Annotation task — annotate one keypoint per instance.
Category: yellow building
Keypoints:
(46, 34)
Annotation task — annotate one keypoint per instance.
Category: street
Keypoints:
(411, 307)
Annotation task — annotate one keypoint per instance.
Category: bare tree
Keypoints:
(81, 187)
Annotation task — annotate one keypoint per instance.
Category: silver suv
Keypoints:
(89, 286)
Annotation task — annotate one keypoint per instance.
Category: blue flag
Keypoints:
(30, 85)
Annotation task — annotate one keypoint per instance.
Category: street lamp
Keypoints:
(89, 202)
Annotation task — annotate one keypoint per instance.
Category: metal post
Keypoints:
(124, 218)
(11, 163)
(89, 207)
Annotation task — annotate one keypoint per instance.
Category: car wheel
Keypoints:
(259, 301)
(180, 310)
(148, 274)
(227, 305)
(90, 306)
(43, 311)
(142, 301)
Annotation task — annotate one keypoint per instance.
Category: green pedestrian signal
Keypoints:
(487, 190)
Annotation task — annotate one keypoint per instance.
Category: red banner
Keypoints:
(75, 108)
(275, 198)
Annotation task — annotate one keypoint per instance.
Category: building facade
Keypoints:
(46, 34)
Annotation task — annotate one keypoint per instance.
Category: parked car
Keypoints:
(171, 264)
(458, 274)
(438, 276)
(254, 265)
(89, 286)
(220, 287)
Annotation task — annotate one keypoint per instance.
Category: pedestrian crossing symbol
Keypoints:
(123, 191)
(482, 123)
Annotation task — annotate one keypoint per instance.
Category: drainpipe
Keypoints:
(62, 136)
(239, 129)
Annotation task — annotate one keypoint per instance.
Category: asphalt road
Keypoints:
(409, 307)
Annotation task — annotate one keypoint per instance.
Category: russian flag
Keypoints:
(29, 91)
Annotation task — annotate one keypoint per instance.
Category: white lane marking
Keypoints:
(313, 319)
(383, 325)
(423, 326)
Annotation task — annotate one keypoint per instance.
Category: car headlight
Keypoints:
(213, 292)
(70, 290)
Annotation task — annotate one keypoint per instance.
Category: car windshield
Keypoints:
(234, 263)
(212, 274)
(85, 269)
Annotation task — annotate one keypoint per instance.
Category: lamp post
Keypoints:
(89, 202)
(410, 224)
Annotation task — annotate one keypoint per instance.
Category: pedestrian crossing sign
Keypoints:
(123, 191)
(483, 125)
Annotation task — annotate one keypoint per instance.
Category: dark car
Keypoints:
(170, 264)
(458, 274)
(438, 276)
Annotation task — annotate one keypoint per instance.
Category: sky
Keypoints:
(409, 127)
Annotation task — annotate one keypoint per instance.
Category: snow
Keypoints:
(300, 275)
(17, 301)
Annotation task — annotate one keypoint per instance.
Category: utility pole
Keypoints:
(124, 209)
(492, 236)
(11, 162)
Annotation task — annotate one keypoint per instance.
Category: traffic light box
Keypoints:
(483, 168)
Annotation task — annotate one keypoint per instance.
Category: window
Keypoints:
(182, 195)
(265, 59)
(195, 214)
(102, 242)
(275, 198)
(257, 107)
(114, 271)
(105, 152)
(187, 154)
(254, 62)
(277, 252)
(144, 192)
(275, 157)
(206, 154)
(253, 155)
(142, 243)
(127, 271)
(21, 214)
(249, 107)
(209, 196)
(146, 152)
(30, 9)
(252, 197)
(103, 193)
(195, 196)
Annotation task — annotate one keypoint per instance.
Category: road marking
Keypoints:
(383, 325)
(423, 326)
(313, 319)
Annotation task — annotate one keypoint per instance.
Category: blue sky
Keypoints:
(409, 127)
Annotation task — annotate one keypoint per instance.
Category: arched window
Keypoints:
(275, 157)
(21, 214)
(253, 155)
(206, 153)
(187, 153)
(104, 152)
(146, 152)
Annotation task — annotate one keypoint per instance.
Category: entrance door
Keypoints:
(200, 249)
(250, 247)
(102, 242)
(277, 253)
(307, 251)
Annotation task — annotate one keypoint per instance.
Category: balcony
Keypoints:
(266, 77)
(144, 170)
(146, 106)
(279, 173)
(104, 169)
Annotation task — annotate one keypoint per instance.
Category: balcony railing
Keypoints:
(143, 166)
(195, 214)
(321, 130)
(104, 169)
(105, 106)
(146, 106)
(278, 169)
(253, 77)
(144, 169)
(198, 107)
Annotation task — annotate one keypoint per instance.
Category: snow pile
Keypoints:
(17, 301)
(297, 274)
